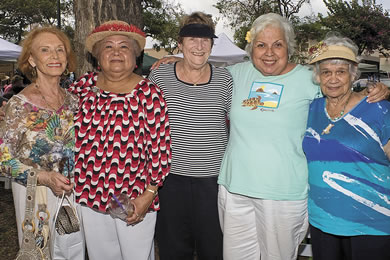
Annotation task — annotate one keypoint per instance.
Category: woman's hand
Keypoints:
(141, 206)
(378, 93)
(57, 182)
(165, 60)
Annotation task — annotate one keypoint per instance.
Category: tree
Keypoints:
(158, 18)
(16, 16)
(368, 25)
(161, 20)
(307, 29)
(90, 13)
(242, 13)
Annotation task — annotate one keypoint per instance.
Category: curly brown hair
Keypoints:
(23, 64)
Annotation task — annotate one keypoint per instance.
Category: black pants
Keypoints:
(327, 246)
(188, 220)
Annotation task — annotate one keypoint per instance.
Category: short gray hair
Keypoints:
(335, 38)
(276, 21)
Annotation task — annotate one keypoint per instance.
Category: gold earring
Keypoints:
(34, 73)
(66, 72)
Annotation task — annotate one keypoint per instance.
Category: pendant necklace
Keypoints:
(330, 125)
(47, 103)
(194, 83)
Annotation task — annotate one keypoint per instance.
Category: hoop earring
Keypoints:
(66, 72)
(34, 72)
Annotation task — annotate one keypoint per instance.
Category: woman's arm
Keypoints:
(159, 140)
(378, 93)
(15, 161)
(165, 60)
(159, 153)
(11, 134)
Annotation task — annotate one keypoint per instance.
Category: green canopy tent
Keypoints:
(147, 63)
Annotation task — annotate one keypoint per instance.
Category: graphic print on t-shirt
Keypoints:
(263, 94)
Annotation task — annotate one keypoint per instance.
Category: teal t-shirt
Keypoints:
(264, 157)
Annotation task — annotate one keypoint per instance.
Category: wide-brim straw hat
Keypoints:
(115, 27)
(333, 52)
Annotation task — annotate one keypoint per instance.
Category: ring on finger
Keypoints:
(136, 214)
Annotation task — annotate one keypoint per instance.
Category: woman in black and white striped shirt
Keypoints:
(198, 97)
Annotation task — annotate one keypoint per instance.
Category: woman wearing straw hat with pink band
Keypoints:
(122, 145)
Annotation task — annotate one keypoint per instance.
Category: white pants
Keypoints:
(108, 238)
(256, 229)
(64, 247)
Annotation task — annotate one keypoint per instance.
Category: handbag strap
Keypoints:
(28, 224)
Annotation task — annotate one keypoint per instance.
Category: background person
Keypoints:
(198, 97)
(37, 135)
(347, 147)
(16, 87)
(122, 145)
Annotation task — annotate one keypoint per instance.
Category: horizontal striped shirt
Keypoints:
(198, 120)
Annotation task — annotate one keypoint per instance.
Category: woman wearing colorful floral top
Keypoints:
(122, 145)
(37, 136)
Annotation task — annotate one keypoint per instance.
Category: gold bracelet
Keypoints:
(155, 192)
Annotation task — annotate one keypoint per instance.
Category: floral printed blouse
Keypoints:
(33, 138)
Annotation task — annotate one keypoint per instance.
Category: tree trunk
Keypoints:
(90, 13)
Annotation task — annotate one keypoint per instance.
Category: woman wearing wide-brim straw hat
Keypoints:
(122, 145)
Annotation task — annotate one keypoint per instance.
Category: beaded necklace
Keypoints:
(330, 125)
(342, 111)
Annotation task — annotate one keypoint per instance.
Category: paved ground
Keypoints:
(8, 233)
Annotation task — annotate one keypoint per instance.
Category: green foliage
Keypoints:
(161, 20)
(368, 25)
(16, 16)
(307, 29)
(242, 13)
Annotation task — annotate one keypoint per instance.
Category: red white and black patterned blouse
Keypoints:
(122, 142)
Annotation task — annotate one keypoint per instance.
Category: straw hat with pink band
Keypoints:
(115, 27)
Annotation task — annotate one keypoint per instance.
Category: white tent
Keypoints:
(224, 52)
(9, 51)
